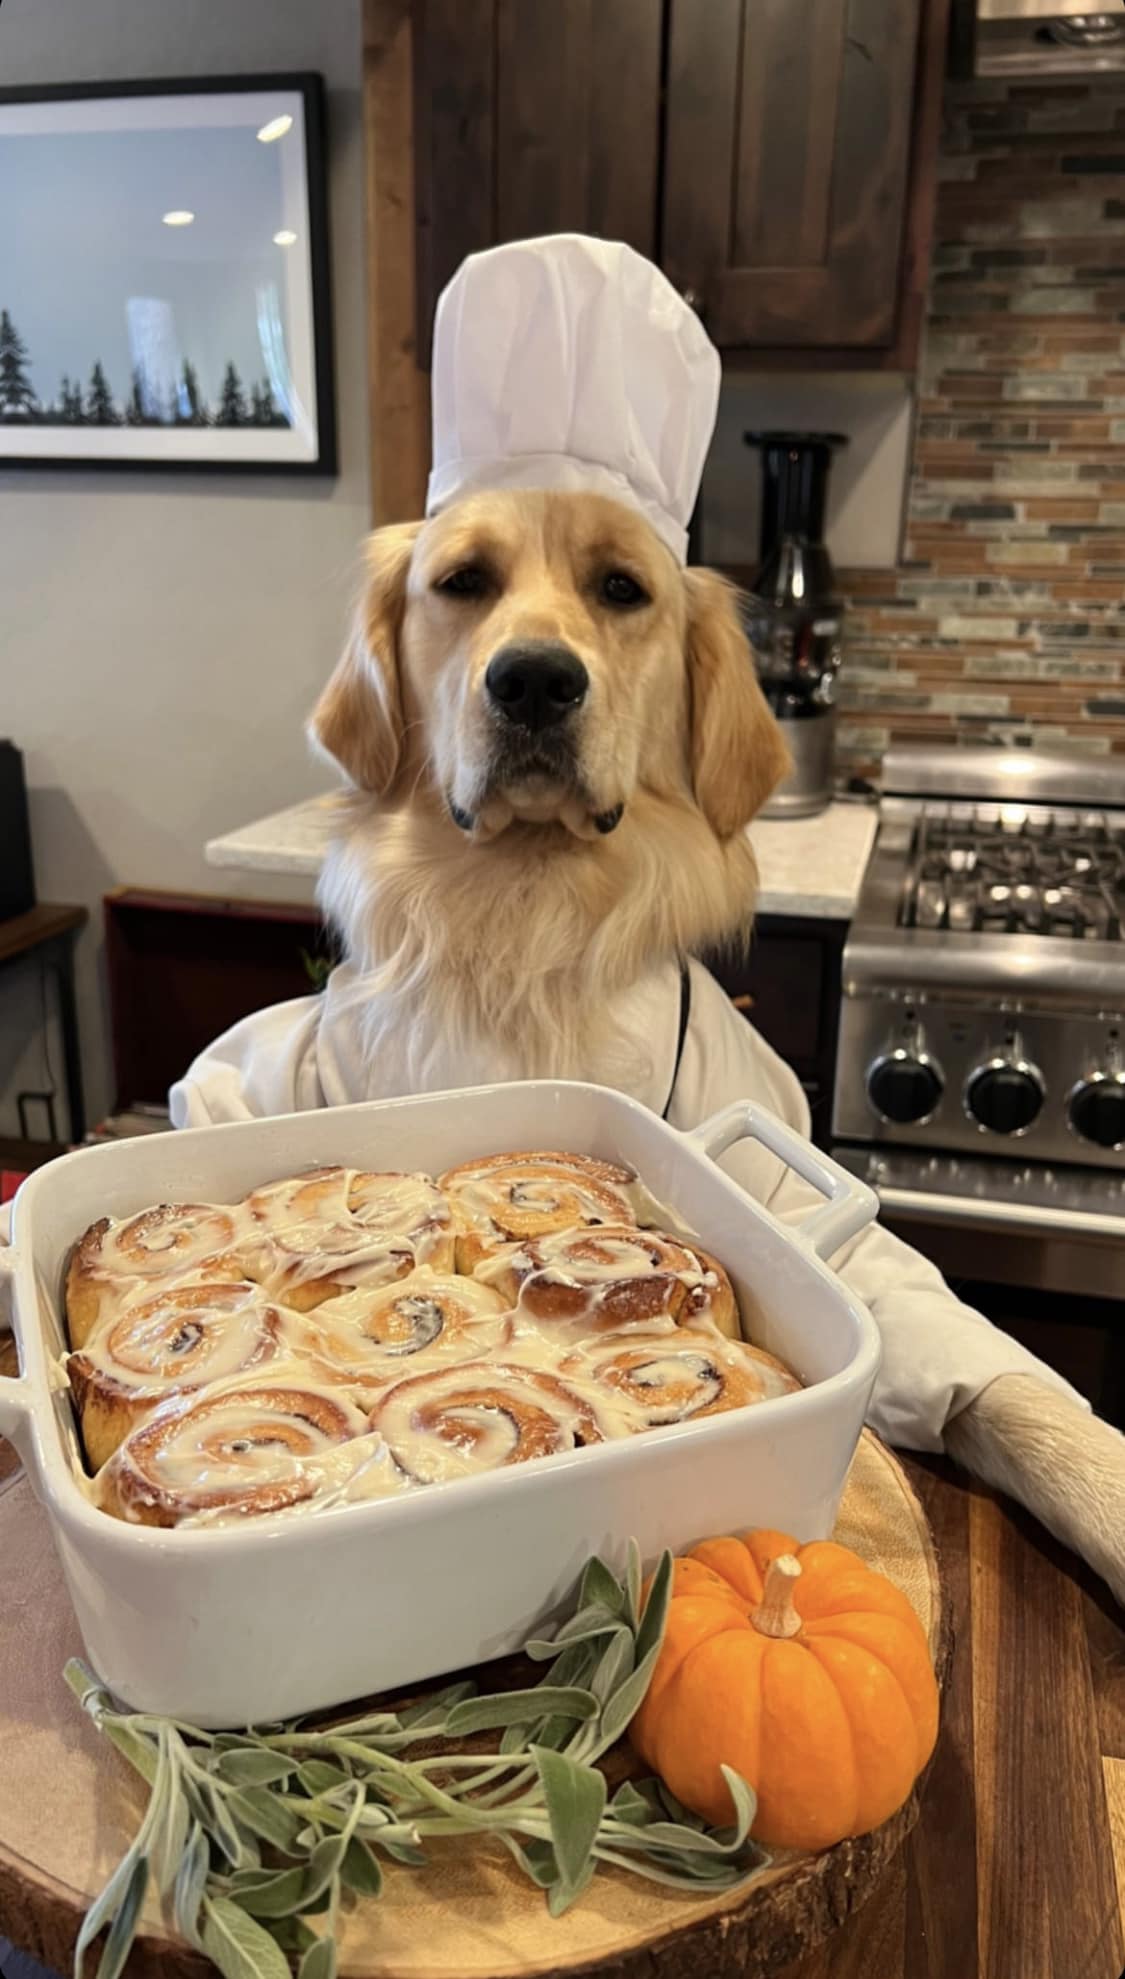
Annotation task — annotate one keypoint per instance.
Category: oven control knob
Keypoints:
(1096, 1109)
(904, 1086)
(1006, 1094)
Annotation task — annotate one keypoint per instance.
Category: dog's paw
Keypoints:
(1066, 1465)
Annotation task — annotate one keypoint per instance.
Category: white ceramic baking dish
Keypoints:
(291, 1613)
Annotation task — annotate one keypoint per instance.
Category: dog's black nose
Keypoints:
(536, 684)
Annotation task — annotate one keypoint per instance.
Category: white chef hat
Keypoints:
(572, 363)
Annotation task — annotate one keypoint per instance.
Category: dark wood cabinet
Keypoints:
(777, 157)
(183, 967)
(787, 151)
(532, 118)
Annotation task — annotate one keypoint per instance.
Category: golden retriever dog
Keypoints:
(613, 817)
(555, 740)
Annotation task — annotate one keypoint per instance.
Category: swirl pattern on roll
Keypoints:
(240, 1451)
(372, 1338)
(175, 1342)
(481, 1416)
(510, 1198)
(314, 1236)
(115, 1259)
(645, 1381)
(594, 1280)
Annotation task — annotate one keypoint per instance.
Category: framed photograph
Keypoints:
(164, 288)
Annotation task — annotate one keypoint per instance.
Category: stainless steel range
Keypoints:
(980, 1079)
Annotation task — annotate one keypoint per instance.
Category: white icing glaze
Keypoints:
(347, 1474)
(524, 1195)
(648, 1379)
(481, 1415)
(426, 1320)
(187, 1336)
(173, 1236)
(344, 1224)
(606, 1258)
(588, 1280)
(246, 1448)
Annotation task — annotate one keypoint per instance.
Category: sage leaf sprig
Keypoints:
(255, 1840)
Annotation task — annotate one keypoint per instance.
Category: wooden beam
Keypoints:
(399, 390)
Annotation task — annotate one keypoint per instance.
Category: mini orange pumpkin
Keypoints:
(803, 1670)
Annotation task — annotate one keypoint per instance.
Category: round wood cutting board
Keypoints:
(69, 1807)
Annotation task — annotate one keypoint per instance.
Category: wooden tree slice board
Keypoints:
(69, 1806)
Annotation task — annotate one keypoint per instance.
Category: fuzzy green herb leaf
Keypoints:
(319, 1961)
(600, 1584)
(265, 1815)
(318, 1776)
(518, 1707)
(190, 1884)
(238, 1944)
(122, 1930)
(359, 1870)
(272, 1893)
(249, 1767)
(575, 1797)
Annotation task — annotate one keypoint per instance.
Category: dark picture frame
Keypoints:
(171, 414)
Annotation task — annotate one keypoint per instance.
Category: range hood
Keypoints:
(1048, 37)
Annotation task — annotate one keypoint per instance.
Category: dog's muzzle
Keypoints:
(533, 690)
(536, 685)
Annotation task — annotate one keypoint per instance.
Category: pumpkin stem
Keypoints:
(775, 1614)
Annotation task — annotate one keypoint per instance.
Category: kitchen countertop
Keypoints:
(1016, 1868)
(809, 866)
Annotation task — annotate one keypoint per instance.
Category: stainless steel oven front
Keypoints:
(980, 1077)
(1039, 1250)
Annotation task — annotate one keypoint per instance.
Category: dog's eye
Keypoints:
(617, 588)
(469, 581)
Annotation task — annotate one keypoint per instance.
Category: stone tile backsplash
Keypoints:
(1003, 622)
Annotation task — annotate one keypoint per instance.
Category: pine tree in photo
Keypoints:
(18, 402)
(232, 400)
(266, 410)
(135, 414)
(100, 409)
(192, 406)
(73, 408)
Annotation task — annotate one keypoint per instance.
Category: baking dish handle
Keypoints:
(849, 1203)
(14, 1408)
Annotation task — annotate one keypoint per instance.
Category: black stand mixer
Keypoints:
(793, 615)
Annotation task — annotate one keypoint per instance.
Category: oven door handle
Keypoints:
(991, 1212)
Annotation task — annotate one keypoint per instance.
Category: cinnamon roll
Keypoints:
(644, 1381)
(592, 1280)
(174, 1343)
(115, 1258)
(238, 1451)
(371, 1338)
(510, 1198)
(479, 1417)
(316, 1235)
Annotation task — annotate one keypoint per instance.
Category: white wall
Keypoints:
(161, 639)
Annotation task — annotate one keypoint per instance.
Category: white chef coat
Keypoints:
(938, 1354)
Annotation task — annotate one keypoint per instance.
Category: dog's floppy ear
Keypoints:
(738, 753)
(358, 720)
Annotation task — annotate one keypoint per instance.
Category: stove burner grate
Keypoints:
(1001, 869)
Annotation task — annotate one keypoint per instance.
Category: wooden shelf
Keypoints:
(20, 1157)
